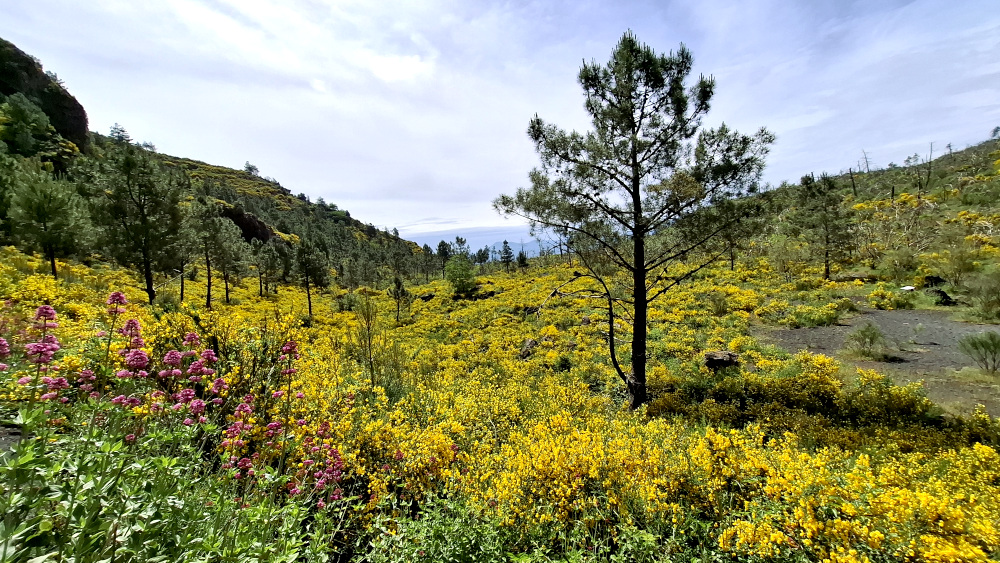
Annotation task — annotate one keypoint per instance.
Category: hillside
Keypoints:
(490, 427)
(38, 117)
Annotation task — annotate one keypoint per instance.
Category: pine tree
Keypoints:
(313, 269)
(628, 193)
(427, 262)
(267, 260)
(822, 219)
(47, 214)
(233, 255)
(443, 254)
(136, 204)
(460, 275)
(522, 260)
(400, 295)
(506, 256)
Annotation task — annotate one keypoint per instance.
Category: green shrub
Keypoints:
(873, 399)
(807, 315)
(868, 341)
(985, 293)
(718, 303)
(845, 304)
(443, 531)
(459, 273)
(983, 348)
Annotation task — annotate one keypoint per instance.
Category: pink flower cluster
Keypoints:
(4, 353)
(233, 435)
(45, 317)
(116, 300)
(289, 353)
(322, 471)
(42, 352)
(136, 359)
(53, 386)
(86, 379)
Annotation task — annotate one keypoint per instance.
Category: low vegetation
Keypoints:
(189, 432)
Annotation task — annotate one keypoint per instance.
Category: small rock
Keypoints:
(585, 320)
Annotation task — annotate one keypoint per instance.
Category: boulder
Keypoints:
(250, 226)
(721, 359)
(933, 281)
(941, 298)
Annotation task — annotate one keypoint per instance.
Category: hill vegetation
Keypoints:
(353, 398)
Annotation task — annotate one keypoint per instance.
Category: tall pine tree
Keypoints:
(136, 204)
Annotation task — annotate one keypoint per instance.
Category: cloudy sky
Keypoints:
(412, 114)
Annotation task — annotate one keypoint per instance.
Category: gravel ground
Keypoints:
(8, 437)
(923, 345)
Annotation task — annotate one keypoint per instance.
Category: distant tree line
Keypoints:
(121, 201)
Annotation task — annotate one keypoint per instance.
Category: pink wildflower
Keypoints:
(197, 406)
(136, 359)
(191, 340)
(45, 313)
(172, 358)
(132, 328)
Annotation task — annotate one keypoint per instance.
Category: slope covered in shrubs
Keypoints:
(474, 429)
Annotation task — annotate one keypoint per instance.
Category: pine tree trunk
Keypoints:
(147, 273)
(637, 383)
(309, 299)
(225, 279)
(52, 263)
(208, 272)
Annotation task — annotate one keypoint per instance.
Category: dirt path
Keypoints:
(923, 345)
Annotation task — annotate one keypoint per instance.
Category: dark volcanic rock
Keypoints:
(941, 298)
(934, 281)
(721, 359)
(250, 226)
(20, 72)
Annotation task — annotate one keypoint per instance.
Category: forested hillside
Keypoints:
(196, 365)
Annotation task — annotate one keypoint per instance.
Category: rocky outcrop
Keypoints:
(721, 359)
(250, 226)
(20, 72)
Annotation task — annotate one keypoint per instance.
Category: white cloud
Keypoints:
(412, 113)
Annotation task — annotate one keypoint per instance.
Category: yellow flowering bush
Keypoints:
(513, 411)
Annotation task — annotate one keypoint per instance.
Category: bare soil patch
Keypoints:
(923, 345)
